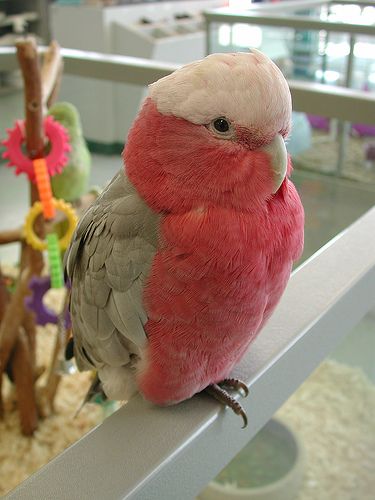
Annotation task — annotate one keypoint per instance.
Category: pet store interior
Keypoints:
(73, 77)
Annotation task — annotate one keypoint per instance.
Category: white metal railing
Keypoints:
(297, 22)
(330, 101)
(142, 451)
(270, 17)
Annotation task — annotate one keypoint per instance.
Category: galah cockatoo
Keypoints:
(184, 256)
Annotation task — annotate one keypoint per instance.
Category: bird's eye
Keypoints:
(222, 127)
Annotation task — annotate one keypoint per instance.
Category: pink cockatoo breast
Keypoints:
(226, 249)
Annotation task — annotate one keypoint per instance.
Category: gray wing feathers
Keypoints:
(108, 262)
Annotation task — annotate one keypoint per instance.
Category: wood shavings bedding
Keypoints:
(334, 414)
(354, 165)
(20, 456)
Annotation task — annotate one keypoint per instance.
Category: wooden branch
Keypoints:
(24, 258)
(13, 318)
(23, 375)
(51, 74)
(47, 393)
(18, 343)
(15, 341)
(27, 54)
(1, 399)
(10, 236)
(4, 296)
(4, 299)
(56, 89)
(19, 349)
(29, 326)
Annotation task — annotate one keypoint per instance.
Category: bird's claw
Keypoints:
(235, 384)
(221, 395)
(238, 410)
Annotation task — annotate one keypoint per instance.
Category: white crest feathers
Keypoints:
(247, 88)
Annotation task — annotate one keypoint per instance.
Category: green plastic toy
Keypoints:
(54, 259)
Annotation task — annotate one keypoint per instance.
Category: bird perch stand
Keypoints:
(17, 328)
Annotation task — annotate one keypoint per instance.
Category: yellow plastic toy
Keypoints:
(34, 240)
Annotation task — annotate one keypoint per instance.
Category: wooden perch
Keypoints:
(13, 318)
(4, 299)
(48, 392)
(29, 326)
(11, 236)
(17, 328)
(51, 74)
(1, 399)
(17, 343)
(27, 54)
(56, 89)
(4, 296)
(24, 380)
(18, 348)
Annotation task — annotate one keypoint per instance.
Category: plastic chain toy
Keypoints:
(44, 188)
(33, 240)
(48, 206)
(56, 159)
(54, 259)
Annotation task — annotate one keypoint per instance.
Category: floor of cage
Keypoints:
(322, 157)
(20, 455)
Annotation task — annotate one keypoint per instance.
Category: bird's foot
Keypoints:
(216, 391)
(235, 384)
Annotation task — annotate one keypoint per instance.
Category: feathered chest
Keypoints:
(216, 260)
(214, 281)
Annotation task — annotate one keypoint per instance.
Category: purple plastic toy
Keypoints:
(39, 286)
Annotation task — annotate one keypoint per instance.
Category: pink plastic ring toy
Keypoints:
(56, 159)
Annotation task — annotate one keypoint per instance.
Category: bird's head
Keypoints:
(212, 133)
(67, 114)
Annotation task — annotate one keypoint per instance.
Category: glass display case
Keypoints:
(330, 43)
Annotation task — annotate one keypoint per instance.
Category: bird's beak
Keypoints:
(279, 160)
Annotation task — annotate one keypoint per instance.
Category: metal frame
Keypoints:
(265, 17)
(143, 451)
(334, 102)
(298, 22)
